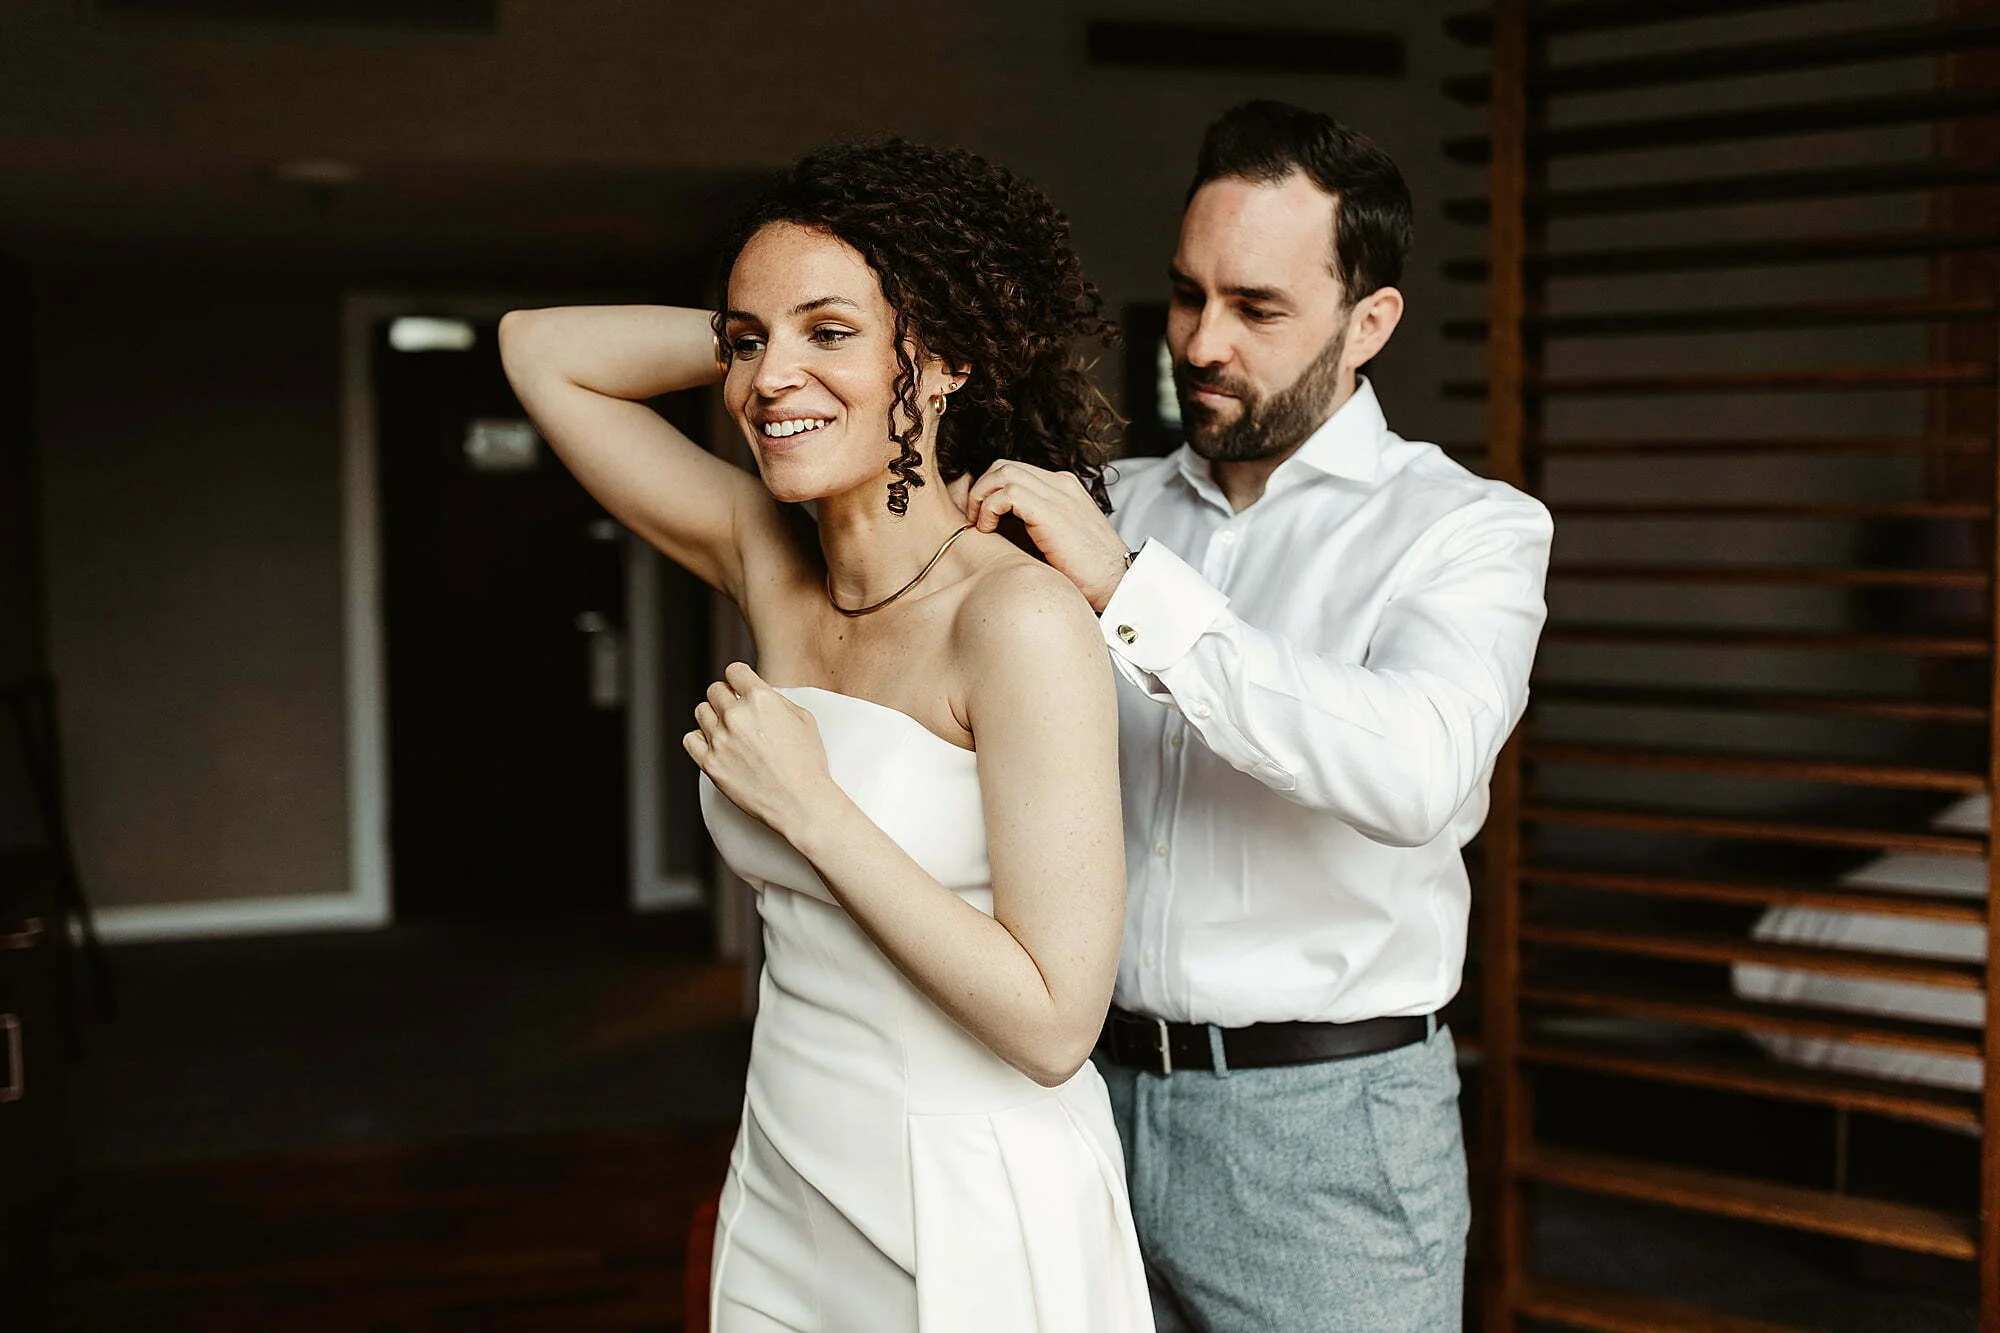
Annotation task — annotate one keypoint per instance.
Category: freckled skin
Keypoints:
(835, 361)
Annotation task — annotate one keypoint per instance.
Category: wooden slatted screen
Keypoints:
(1741, 292)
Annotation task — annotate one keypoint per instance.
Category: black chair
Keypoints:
(32, 703)
(48, 946)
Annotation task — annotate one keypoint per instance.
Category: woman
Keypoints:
(928, 803)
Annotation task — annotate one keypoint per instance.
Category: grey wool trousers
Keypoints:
(1321, 1198)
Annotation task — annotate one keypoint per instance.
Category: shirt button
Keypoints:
(1160, 850)
(1227, 537)
(1150, 958)
(1200, 710)
(1126, 634)
(1175, 741)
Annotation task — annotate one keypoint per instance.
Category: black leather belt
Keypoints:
(1159, 1047)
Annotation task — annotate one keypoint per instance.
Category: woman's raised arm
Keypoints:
(583, 373)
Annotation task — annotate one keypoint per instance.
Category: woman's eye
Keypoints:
(828, 334)
(745, 345)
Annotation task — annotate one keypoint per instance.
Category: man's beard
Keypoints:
(1265, 426)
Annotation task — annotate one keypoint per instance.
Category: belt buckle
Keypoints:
(1166, 1048)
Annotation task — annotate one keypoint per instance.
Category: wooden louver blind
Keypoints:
(1751, 366)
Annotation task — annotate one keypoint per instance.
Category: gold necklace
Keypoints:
(862, 611)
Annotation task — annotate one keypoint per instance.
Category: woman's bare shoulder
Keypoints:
(1020, 614)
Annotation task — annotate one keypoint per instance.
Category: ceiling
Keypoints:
(165, 133)
(416, 212)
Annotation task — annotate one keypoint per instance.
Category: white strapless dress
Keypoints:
(892, 1173)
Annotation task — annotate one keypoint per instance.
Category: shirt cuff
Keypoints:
(1158, 610)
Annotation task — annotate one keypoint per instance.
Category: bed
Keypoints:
(1957, 941)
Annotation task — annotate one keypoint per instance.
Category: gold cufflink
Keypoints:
(1127, 634)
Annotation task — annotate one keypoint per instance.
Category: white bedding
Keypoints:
(1916, 936)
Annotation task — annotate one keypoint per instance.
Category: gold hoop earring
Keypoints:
(938, 404)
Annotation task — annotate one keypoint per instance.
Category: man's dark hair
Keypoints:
(1267, 141)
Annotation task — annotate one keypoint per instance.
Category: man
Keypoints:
(1324, 637)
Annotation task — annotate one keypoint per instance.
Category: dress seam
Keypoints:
(1039, 1298)
(727, 1228)
(806, 1192)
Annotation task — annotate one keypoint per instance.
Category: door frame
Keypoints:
(369, 902)
(371, 897)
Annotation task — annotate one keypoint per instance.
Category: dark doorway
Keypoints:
(503, 597)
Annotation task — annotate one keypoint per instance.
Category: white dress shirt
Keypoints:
(1313, 692)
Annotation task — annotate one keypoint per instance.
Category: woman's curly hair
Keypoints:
(977, 264)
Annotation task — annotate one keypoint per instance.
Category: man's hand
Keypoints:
(1063, 521)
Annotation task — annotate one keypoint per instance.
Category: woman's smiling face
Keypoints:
(810, 342)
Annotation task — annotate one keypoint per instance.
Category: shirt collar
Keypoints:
(1347, 444)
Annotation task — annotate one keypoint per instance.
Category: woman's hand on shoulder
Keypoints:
(763, 752)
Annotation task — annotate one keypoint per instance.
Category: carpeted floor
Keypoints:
(419, 1034)
(503, 1126)
(545, 1233)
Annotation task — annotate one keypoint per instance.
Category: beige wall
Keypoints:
(191, 501)
(191, 482)
(190, 427)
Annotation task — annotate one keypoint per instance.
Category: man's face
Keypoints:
(1258, 320)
